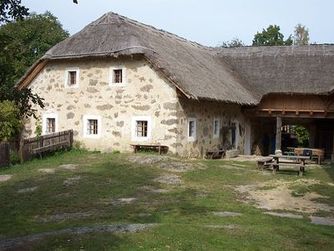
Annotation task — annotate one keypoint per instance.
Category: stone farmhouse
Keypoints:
(118, 82)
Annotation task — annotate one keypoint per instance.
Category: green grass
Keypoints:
(184, 214)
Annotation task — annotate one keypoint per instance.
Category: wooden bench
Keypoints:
(157, 147)
(214, 154)
(264, 162)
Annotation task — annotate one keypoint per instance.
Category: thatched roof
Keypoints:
(193, 68)
(238, 75)
(284, 69)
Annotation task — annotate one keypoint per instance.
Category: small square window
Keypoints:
(92, 127)
(141, 128)
(72, 78)
(50, 125)
(118, 76)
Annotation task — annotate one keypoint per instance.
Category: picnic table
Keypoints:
(288, 160)
(314, 153)
(160, 148)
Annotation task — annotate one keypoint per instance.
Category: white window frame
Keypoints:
(99, 126)
(77, 70)
(134, 136)
(193, 137)
(214, 134)
(111, 76)
(46, 116)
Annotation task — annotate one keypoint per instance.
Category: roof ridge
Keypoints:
(111, 15)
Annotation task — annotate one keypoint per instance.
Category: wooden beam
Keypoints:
(32, 75)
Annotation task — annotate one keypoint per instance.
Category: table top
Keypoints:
(289, 156)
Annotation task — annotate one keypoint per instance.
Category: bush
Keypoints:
(10, 122)
(14, 158)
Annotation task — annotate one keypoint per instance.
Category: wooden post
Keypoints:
(278, 133)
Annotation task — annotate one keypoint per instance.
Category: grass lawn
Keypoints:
(76, 189)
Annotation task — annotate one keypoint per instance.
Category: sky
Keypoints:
(209, 22)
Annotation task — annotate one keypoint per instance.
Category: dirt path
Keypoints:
(278, 195)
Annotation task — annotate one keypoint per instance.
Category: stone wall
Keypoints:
(205, 112)
(145, 93)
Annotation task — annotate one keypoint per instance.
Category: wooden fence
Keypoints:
(36, 146)
(46, 143)
(4, 154)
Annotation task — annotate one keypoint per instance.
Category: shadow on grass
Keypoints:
(91, 241)
(330, 171)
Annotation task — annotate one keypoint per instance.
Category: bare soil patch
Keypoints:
(71, 181)
(177, 166)
(68, 167)
(5, 177)
(63, 217)
(169, 179)
(322, 221)
(119, 201)
(27, 190)
(47, 170)
(285, 215)
(278, 195)
(147, 159)
(227, 214)
(229, 226)
(165, 162)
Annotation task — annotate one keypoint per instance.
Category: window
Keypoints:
(216, 128)
(92, 126)
(49, 124)
(191, 129)
(233, 135)
(141, 128)
(72, 78)
(117, 76)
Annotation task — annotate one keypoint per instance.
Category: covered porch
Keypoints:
(274, 120)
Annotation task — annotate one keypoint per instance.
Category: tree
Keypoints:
(271, 36)
(22, 43)
(302, 135)
(25, 41)
(10, 124)
(12, 10)
(301, 35)
(235, 42)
